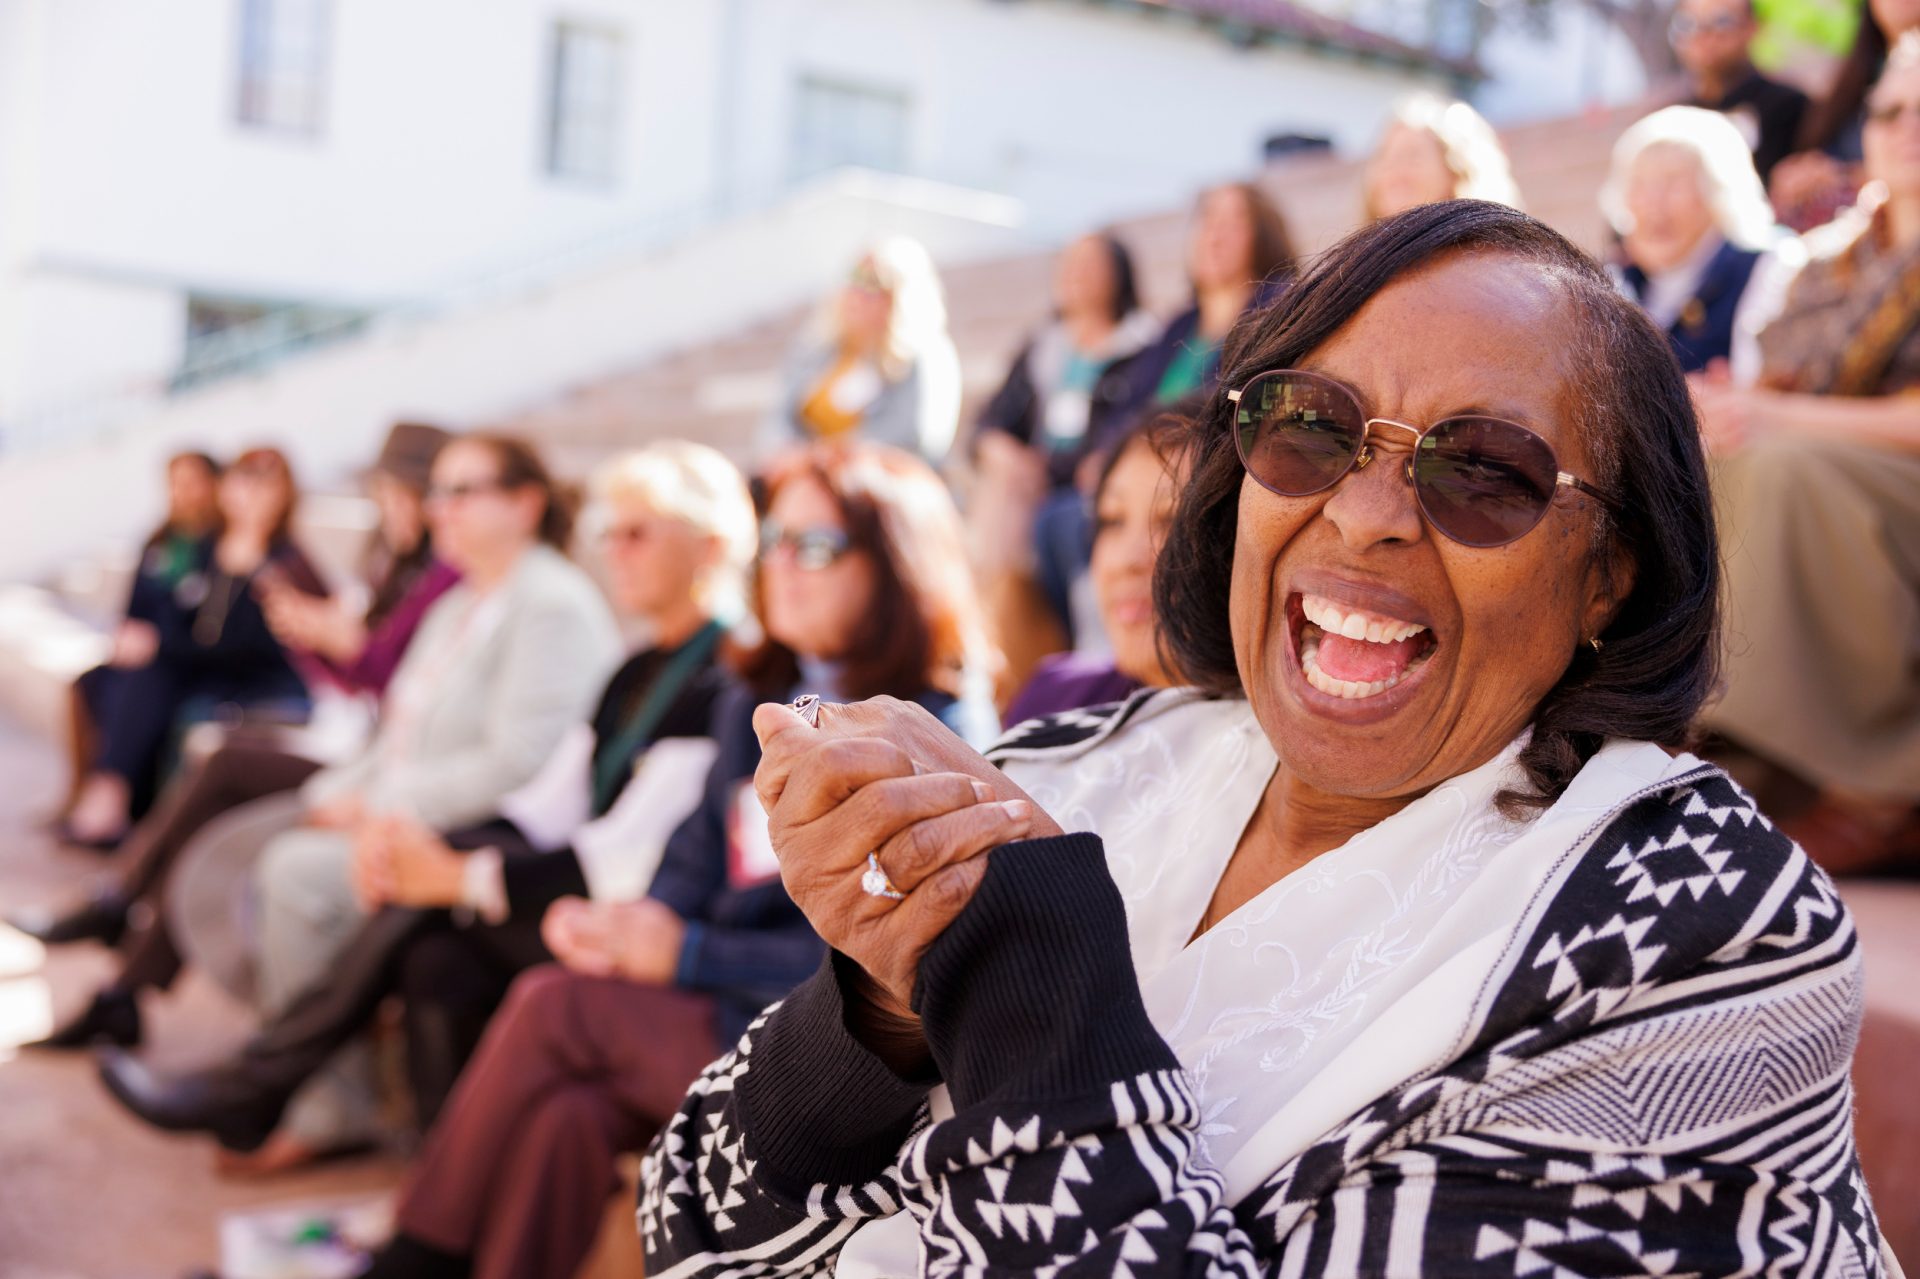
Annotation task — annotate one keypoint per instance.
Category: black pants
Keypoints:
(452, 974)
(243, 770)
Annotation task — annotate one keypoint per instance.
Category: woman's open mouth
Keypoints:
(1353, 654)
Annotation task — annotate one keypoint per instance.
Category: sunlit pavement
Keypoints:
(85, 1192)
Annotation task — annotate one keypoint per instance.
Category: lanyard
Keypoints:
(610, 762)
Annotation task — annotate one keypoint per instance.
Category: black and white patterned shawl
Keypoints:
(1656, 1086)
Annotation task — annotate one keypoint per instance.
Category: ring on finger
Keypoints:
(874, 881)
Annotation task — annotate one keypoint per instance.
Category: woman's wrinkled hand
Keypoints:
(886, 777)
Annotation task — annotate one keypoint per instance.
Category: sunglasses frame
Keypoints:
(774, 535)
(1363, 455)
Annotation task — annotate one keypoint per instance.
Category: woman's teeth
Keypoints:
(1310, 664)
(1325, 618)
(1329, 617)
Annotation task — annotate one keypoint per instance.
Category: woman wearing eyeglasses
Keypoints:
(1817, 473)
(1405, 942)
(502, 665)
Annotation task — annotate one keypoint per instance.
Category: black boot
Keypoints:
(103, 919)
(237, 1111)
(112, 1016)
(405, 1257)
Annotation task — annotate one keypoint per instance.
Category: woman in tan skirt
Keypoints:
(1817, 481)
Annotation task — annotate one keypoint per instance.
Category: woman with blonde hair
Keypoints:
(1435, 149)
(880, 364)
(1695, 228)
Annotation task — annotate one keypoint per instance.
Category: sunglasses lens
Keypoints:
(1484, 482)
(1296, 435)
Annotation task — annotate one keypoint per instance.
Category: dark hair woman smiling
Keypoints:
(1403, 944)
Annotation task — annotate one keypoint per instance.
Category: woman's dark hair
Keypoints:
(1829, 116)
(521, 467)
(926, 627)
(1126, 285)
(273, 462)
(1273, 257)
(165, 529)
(1660, 659)
(1168, 431)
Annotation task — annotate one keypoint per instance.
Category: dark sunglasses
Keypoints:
(1482, 481)
(812, 548)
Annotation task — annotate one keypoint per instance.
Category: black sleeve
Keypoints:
(1062, 1088)
(1012, 408)
(536, 880)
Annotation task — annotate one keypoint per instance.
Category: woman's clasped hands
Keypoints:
(883, 778)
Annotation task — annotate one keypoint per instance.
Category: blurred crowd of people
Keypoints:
(543, 843)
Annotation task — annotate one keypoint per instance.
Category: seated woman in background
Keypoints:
(251, 762)
(460, 915)
(1239, 257)
(1435, 149)
(1032, 437)
(357, 652)
(209, 647)
(167, 556)
(1824, 175)
(1694, 224)
(1817, 480)
(878, 365)
(1133, 499)
(503, 665)
(1401, 944)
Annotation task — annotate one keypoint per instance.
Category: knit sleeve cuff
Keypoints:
(1030, 995)
(816, 1106)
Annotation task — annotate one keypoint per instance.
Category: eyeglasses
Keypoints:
(1887, 113)
(812, 548)
(1481, 481)
(1685, 28)
(458, 492)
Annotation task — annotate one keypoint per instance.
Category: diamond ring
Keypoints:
(874, 881)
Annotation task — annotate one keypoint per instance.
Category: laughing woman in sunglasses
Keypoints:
(1404, 943)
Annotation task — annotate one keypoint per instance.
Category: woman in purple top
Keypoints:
(1132, 501)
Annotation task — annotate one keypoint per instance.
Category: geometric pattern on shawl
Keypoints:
(1655, 1083)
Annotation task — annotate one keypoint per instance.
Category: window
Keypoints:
(583, 110)
(836, 123)
(283, 64)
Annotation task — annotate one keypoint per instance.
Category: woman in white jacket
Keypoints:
(504, 663)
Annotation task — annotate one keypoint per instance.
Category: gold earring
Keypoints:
(1595, 641)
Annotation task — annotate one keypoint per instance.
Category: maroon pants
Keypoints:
(572, 1072)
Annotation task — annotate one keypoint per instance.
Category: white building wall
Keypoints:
(127, 181)
(1083, 114)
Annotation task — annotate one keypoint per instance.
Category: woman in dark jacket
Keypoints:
(169, 554)
(212, 646)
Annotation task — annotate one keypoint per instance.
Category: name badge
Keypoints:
(750, 856)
